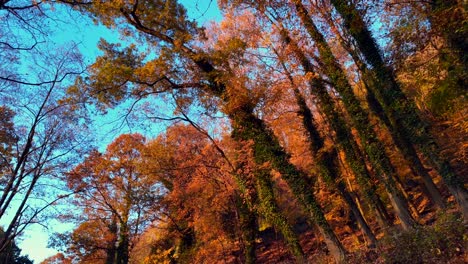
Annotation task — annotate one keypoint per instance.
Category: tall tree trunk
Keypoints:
(373, 147)
(122, 254)
(111, 249)
(269, 209)
(402, 112)
(405, 147)
(248, 228)
(409, 153)
(267, 149)
(344, 137)
(326, 161)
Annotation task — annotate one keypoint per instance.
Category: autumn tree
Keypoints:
(115, 199)
(177, 34)
(58, 258)
(320, 62)
(199, 205)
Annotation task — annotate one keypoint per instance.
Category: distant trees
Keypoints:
(198, 208)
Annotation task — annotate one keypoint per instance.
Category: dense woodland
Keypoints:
(315, 131)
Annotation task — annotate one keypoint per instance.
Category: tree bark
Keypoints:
(325, 161)
(111, 247)
(373, 147)
(401, 111)
(343, 136)
(122, 252)
(248, 229)
(267, 149)
(272, 213)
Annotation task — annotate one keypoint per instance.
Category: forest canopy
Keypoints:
(327, 131)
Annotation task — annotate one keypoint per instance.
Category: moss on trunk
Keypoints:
(372, 146)
(401, 111)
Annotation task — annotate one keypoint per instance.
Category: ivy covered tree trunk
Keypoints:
(269, 209)
(267, 149)
(325, 160)
(401, 111)
(373, 147)
(248, 228)
(408, 151)
(261, 201)
(453, 27)
(344, 137)
(405, 147)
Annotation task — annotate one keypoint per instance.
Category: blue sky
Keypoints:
(79, 30)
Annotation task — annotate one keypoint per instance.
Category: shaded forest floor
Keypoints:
(442, 242)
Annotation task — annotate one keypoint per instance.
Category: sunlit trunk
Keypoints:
(269, 209)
